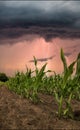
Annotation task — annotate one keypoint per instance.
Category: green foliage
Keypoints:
(35, 61)
(64, 92)
(3, 77)
(63, 60)
(38, 79)
(78, 66)
(64, 87)
(2, 83)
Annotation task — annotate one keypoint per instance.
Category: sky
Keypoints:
(40, 29)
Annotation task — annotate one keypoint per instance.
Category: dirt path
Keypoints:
(19, 113)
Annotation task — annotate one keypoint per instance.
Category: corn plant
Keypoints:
(47, 86)
(75, 82)
(78, 66)
(61, 96)
(38, 78)
(20, 83)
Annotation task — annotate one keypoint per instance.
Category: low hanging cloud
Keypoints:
(67, 54)
(43, 18)
(43, 59)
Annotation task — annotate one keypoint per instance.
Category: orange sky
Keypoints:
(17, 56)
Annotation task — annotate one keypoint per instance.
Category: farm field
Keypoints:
(20, 113)
(39, 65)
(39, 101)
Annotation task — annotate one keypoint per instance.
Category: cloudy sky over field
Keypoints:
(40, 29)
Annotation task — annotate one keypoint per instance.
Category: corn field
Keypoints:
(64, 87)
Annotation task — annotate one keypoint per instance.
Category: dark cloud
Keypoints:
(43, 59)
(11, 16)
(67, 54)
(14, 34)
(46, 19)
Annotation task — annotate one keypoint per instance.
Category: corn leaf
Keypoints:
(35, 61)
(78, 65)
(69, 72)
(63, 60)
(41, 72)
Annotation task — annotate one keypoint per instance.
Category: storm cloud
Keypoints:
(46, 19)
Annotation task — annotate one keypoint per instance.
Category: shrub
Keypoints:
(3, 77)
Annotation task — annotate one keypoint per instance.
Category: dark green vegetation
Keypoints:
(64, 87)
(3, 77)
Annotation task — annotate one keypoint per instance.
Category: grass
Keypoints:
(64, 87)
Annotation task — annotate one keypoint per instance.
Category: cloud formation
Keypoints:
(67, 54)
(43, 59)
(46, 19)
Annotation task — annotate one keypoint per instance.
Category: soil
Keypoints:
(17, 112)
